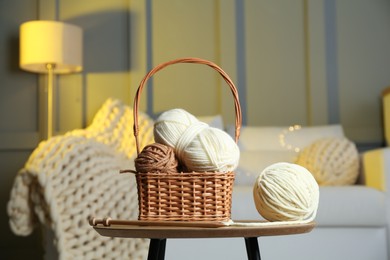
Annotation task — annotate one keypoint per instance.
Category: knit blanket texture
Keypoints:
(71, 177)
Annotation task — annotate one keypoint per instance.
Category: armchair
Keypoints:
(72, 177)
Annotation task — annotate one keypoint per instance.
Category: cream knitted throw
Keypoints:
(69, 178)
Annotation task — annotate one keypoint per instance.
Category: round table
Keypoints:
(159, 232)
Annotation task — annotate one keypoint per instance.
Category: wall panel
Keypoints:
(275, 63)
(363, 38)
(228, 55)
(101, 86)
(185, 29)
(19, 125)
(106, 60)
(18, 89)
(315, 46)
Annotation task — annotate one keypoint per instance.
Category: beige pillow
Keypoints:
(332, 161)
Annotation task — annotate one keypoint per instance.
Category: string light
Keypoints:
(285, 132)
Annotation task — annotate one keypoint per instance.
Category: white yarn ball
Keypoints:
(198, 146)
(286, 192)
(179, 119)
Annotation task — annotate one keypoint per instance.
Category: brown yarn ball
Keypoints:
(156, 157)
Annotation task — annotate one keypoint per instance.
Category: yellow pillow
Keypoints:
(332, 161)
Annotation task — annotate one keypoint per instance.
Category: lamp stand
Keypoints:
(50, 83)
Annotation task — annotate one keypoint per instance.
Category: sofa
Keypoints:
(352, 220)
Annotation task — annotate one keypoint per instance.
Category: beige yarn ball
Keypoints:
(286, 192)
(332, 161)
(155, 158)
(198, 146)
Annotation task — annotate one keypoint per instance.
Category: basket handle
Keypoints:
(225, 76)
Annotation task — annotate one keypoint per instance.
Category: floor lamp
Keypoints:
(50, 47)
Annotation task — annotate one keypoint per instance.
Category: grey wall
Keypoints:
(18, 122)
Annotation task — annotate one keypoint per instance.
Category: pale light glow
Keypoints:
(282, 138)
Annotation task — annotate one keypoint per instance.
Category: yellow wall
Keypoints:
(294, 62)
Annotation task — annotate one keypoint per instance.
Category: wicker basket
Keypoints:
(192, 196)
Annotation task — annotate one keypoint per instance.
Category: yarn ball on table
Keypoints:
(198, 146)
(156, 158)
(332, 161)
(286, 192)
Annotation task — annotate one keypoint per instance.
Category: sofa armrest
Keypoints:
(376, 164)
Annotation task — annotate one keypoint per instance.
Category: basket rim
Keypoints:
(185, 173)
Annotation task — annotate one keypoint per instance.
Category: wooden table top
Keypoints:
(155, 231)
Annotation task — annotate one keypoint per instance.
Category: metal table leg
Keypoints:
(252, 248)
(157, 249)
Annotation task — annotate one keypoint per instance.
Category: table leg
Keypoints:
(252, 248)
(157, 249)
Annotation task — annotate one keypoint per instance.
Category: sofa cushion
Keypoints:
(346, 206)
(213, 121)
(354, 205)
(261, 146)
(252, 163)
(269, 138)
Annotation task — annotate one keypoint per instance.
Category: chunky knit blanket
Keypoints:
(69, 178)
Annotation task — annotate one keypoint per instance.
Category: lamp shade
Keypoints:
(50, 42)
